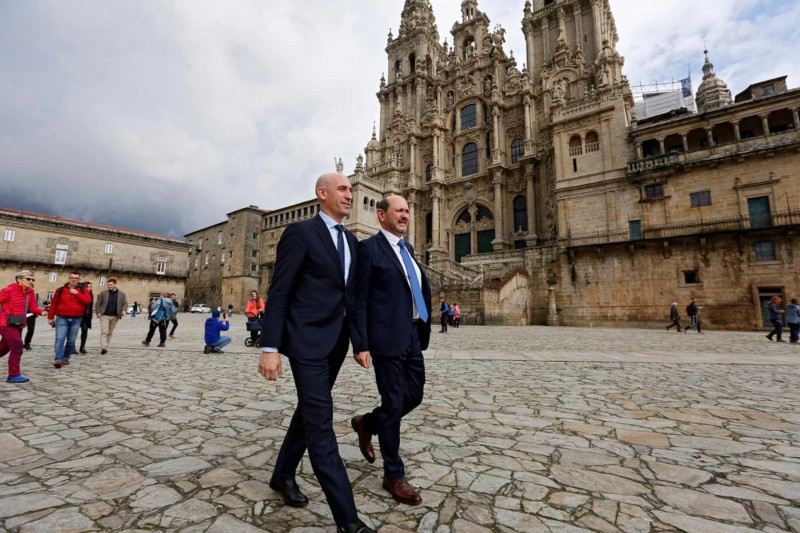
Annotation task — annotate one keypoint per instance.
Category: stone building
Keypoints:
(143, 264)
(224, 260)
(536, 196)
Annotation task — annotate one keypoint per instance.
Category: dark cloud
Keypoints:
(163, 117)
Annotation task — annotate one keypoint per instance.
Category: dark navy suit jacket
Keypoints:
(384, 309)
(308, 301)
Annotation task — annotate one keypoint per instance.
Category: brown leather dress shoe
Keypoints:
(364, 438)
(402, 491)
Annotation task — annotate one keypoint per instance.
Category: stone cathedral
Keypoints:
(536, 194)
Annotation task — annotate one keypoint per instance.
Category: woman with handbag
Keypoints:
(16, 301)
(254, 310)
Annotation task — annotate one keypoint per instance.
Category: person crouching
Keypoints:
(214, 324)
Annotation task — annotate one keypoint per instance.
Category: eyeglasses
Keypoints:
(29, 279)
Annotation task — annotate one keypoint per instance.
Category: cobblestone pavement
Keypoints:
(528, 429)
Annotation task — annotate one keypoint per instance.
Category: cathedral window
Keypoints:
(575, 146)
(764, 251)
(651, 192)
(520, 214)
(429, 172)
(700, 198)
(517, 150)
(469, 159)
(483, 213)
(412, 62)
(464, 217)
(488, 145)
(468, 117)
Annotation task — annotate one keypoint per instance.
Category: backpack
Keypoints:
(158, 313)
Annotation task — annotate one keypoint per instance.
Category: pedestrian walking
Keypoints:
(173, 318)
(444, 309)
(456, 315)
(793, 321)
(675, 317)
(311, 306)
(159, 312)
(31, 321)
(86, 323)
(389, 277)
(693, 312)
(66, 314)
(776, 319)
(112, 304)
(134, 309)
(16, 301)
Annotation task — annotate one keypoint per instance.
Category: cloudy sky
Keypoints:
(163, 116)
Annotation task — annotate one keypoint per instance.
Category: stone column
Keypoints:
(685, 142)
(598, 28)
(495, 134)
(499, 215)
(710, 137)
(545, 38)
(796, 119)
(765, 124)
(409, 101)
(527, 120)
(661, 146)
(530, 200)
(576, 14)
(639, 153)
(412, 220)
(437, 226)
(736, 133)
(530, 49)
(384, 104)
(552, 310)
(420, 86)
(435, 161)
(412, 161)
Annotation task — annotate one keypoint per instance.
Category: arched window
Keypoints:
(520, 214)
(397, 67)
(517, 150)
(366, 204)
(412, 62)
(469, 159)
(593, 142)
(464, 217)
(429, 172)
(372, 205)
(468, 117)
(429, 228)
(483, 213)
(575, 146)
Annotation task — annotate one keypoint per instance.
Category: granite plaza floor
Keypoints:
(529, 429)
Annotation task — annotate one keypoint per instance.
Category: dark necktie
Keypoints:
(340, 245)
(416, 291)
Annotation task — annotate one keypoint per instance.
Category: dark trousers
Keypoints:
(11, 343)
(694, 321)
(401, 382)
(794, 332)
(174, 326)
(777, 329)
(676, 322)
(31, 328)
(312, 428)
(162, 331)
(443, 320)
(84, 334)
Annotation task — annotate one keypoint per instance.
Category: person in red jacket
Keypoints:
(19, 300)
(66, 314)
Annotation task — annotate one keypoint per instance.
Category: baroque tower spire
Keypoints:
(713, 92)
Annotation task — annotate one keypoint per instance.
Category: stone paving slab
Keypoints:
(522, 430)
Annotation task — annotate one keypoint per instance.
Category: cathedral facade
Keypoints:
(536, 196)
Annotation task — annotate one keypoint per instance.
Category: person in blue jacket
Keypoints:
(214, 324)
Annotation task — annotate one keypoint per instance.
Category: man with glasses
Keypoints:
(66, 314)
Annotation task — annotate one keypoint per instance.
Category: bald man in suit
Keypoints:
(307, 318)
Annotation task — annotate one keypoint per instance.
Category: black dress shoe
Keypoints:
(290, 491)
(27, 347)
(355, 527)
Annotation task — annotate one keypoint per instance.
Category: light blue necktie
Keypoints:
(416, 291)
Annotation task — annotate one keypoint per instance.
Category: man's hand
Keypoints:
(73, 291)
(51, 322)
(363, 358)
(269, 365)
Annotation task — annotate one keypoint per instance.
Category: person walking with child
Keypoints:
(159, 311)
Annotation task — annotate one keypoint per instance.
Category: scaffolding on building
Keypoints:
(662, 97)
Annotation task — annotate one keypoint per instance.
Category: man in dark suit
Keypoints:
(392, 327)
(309, 307)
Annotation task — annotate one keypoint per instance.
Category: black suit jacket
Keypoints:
(384, 308)
(308, 301)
